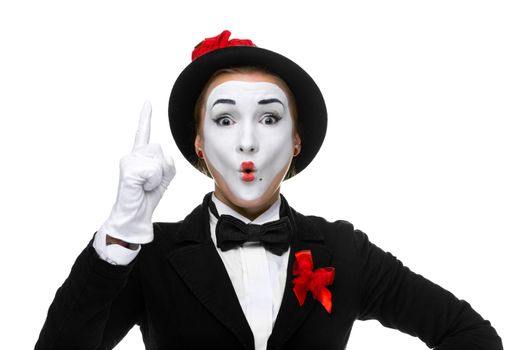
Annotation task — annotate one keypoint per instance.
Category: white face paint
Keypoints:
(248, 136)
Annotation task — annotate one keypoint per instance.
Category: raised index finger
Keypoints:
(143, 131)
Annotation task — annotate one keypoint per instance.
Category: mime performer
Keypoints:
(243, 270)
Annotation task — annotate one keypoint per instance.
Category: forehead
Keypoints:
(248, 91)
(253, 77)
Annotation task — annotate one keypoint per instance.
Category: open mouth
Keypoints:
(248, 171)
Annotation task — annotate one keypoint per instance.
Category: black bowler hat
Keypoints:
(217, 53)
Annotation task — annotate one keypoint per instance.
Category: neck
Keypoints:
(254, 209)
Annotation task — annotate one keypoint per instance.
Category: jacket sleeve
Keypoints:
(399, 298)
(95, 307)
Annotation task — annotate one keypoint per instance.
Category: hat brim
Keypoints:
(311, 108)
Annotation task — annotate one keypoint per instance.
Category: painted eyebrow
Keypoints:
(224, 100)
(270, 100)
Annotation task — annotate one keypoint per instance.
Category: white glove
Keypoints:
(144, 176)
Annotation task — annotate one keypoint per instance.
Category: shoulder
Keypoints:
(189, 229)
(165, 235)
(338, 234)
(163, 230)
(169, 235)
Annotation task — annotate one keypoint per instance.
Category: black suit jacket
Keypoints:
(179, 293)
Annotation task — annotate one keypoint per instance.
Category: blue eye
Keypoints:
(224, 120)
(270, 119)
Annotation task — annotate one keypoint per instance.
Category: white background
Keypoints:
(424, 150)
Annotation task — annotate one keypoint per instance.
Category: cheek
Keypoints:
(208, 138)
(280, 140)
(214, 142)
(215, 145)
(278, 153)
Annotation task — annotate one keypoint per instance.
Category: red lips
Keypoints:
(248, 171)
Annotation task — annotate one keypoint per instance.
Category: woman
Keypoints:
(243, 270)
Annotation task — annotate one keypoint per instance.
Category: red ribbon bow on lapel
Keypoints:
(313, 281)
(218, 42)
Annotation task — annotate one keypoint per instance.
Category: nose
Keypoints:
(248, 142)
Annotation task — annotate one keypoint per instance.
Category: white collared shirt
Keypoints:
(258, 276)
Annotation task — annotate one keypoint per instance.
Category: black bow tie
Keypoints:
(232, 232)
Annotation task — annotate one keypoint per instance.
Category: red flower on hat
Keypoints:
(311, 280)
(218, 42)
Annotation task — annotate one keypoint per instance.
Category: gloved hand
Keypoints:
(144, 176)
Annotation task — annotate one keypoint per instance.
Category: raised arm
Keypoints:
(100, 301)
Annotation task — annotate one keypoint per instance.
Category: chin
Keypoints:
(247, 197)
(248, 194)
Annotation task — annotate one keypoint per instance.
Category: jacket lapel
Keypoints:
(196, 261)
(291, 314)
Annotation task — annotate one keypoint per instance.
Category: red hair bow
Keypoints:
(313, 281)
(218, 42)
